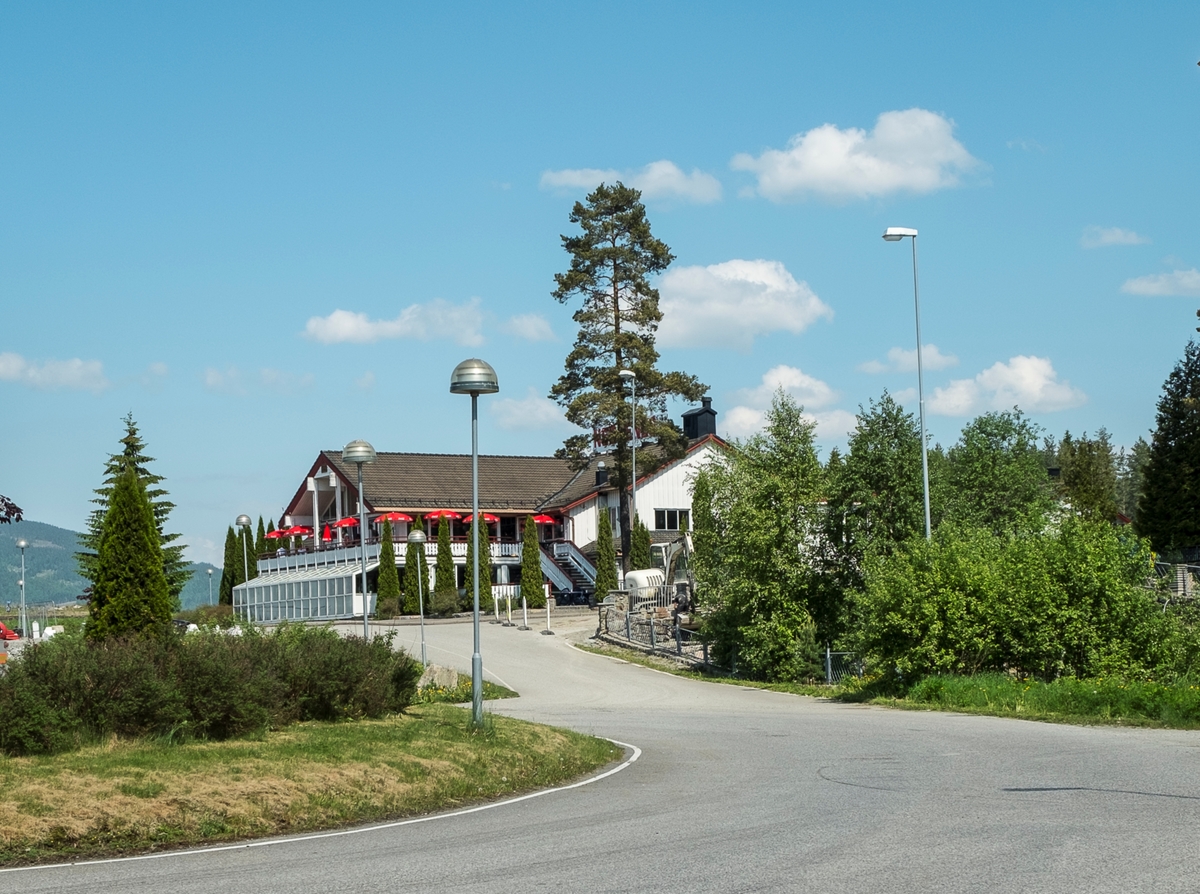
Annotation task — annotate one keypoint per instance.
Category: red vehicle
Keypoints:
(5, 633)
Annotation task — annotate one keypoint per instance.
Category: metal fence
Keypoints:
(654, 629)
(839, 665)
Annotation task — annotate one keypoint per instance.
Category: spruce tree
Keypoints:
(445, 585)
(260, 539)
(606, 555)
(416, 577)
(1088, 475)
(532, 579)
(388, 604)
(129, 591)
(1131, 470)
(639, 547)
(485, 571)
(230, 569)
(177, 570)
(246, 555)
(1169, 510)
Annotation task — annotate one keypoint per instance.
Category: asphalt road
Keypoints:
(744, 790)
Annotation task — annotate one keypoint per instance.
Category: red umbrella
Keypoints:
(350, 522)
(438, 513)
(393, 517)
(488, 518)
(327, 535)
(275, 535)
(297, 531)
(544, 520)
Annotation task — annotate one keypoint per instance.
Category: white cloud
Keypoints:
(814, 395)
(74, 375)
(1030, 383)
(1099, 237)
(901, 360)
(657, 180)
(1178, 282)
(910, 151)
(226, 381)
(529, 413)
(730, 304)
(282, 382)
(366, 382)
(531, 327)
(437, 319)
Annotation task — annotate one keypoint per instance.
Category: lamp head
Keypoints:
(21, 544)
(210, 572)
(416, 535)
(627, 374)
(358, 452)
(895, 234)
(243, 521)
(474, 376)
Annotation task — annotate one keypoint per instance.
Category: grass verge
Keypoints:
(127, 797)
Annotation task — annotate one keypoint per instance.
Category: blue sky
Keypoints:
(268, 229)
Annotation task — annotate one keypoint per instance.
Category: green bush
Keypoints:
(209, 685)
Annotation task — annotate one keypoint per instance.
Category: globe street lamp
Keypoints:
(895, 234)
(475, 377)
(632, 377)
(417, 537)
(359, 452)
(21, 544)
(243, 521)
(210, 586)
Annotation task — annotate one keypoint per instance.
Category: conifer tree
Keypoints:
(416, 577)
(485, 571)
(612, 260)
(177, 570)
(388, 603)
(230, 569)
(129, 591)
(532, 579)
(606, 555)
(445, 584)
(260, 539)
(639, 547)
(246, 555)
(1169, 511)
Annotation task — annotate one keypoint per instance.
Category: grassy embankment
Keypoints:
(1112, 701)
(124, 797)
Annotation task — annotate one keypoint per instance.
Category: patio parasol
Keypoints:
(544, 520)
(327, 535)
(275, 535)
(349, 522)
(438, 513)
(488, 518)
(393, 517)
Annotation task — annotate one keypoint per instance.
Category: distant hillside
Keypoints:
(50, 571)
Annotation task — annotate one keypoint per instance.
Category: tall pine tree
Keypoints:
(639, 547)
(445, 584)
(260, 539)
(606, 555)
(485, 571)
(388, 604)
(231, 569)
(1169, 511)
(416, 577)
(175, 568)
(129, 589)
(532, 579)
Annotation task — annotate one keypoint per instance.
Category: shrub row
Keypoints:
(68, 691)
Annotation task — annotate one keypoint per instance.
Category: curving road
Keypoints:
(745, 790)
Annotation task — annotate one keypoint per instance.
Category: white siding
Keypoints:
(671, 488)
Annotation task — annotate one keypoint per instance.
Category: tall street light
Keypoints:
(21, 544)
(475, 377)
(895, 234)
(210, 586)
(417, 536)
(243, 521)
(631, 376)
(359, 452)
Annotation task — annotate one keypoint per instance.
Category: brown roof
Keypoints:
(424, 481)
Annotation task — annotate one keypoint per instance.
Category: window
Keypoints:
(612, 519)
(671, 520)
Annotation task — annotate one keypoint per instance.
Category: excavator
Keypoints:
(670, 584)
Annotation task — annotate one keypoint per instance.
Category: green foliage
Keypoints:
(231, 570)
(9, 511)
(763, 510)
(260, 539)
(708, 548)
(68, 691)
(1131, 470)
(532, 579)
(639, 547)
(388, 586)
(485, 571)
(612, 260)
(606, 554)
(1068, 601)
(445, 584)
(416, 576)
(433, 695)
(1088, 475)
(178, 571)
(1169, 511)
(129, 589)
(246, 554)
(994, 477)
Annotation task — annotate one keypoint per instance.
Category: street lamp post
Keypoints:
(475, 377)
(23, 621)
(632, 377)
(359, 452)
(895, 234)
(210, 586)
(243, 521)
(417, 536)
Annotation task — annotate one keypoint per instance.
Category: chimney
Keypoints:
(701, 421)
(601, 474)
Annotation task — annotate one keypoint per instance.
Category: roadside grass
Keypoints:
(461, 693)
(125, 797)
(1111, 702)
